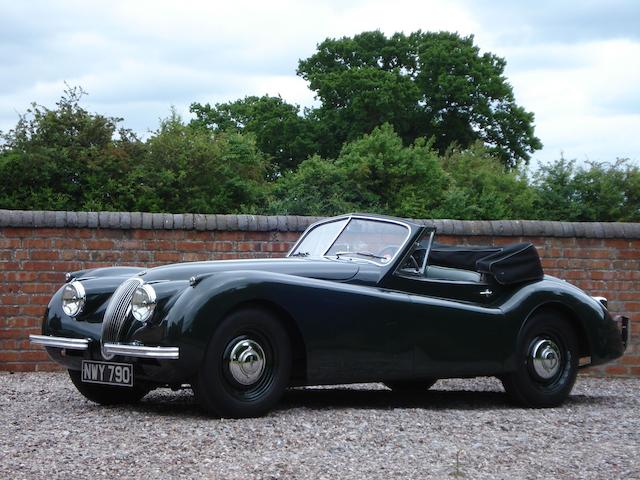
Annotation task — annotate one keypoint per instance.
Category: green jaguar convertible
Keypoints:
(359, 298)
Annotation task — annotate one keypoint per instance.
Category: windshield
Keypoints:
(373, 240)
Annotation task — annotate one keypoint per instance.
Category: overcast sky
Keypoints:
(575, 64)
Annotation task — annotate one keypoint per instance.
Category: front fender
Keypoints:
(349, 332)
(202, 307)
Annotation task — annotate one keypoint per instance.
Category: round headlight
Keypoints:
(73, 298)
(143, 302)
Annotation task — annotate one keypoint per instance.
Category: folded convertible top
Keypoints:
(509, 264)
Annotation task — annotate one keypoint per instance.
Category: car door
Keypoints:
(352, 332)
(457, 325)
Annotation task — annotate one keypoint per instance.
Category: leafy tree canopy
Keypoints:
(69, 159)
(66, 158)
(375, 173)
(593, 192)
(482, 189)
(279, 129)
(194, 170)
(425, 84)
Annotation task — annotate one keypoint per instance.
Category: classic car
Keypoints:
(359, 298)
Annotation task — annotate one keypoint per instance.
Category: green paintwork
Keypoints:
(350, 321)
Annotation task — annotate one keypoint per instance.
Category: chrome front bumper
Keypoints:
(168, 353)
(140, 351)
(60, 342)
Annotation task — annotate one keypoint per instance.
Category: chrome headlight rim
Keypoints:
(74, 298)
(143, 302)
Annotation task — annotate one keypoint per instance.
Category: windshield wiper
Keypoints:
(300, 254)
(362, 254)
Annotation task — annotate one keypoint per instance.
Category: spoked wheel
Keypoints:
(409, 386)
(246, 367)
(107, 394)
(547, 363)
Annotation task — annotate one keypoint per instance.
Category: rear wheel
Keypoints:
(246, 367)
(107, 394)
(411, 386)
(547, 363)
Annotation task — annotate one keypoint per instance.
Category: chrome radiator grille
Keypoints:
(117, 312)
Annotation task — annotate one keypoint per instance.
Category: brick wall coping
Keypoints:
(295, 223)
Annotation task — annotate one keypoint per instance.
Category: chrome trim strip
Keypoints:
(602, 300)
(316, 224)
(346, 224)
(423, 268)
(60, 342)
(141, 351)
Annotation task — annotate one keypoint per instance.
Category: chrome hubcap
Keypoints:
(545, 356)
(246, 362)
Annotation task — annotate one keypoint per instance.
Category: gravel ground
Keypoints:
(463, 428)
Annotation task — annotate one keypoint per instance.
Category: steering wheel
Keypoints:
(414, 263)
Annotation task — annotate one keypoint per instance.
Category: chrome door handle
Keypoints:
(486, 293)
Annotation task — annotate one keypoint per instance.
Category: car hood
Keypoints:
(323, 269)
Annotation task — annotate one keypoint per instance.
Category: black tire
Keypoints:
(107, 394)
(217, 387)
(411, 386)
(526, 386)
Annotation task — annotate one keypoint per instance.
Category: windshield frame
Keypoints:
(431, 233)
(349, 218)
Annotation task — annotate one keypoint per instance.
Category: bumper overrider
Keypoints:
(123, 349)
(625, 329)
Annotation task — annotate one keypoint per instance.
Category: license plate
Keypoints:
(107, 373)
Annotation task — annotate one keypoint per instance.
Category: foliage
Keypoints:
(66, 158)
(374, 173)
(482, 189)
(594, 192)
(314, 188)
(193, 170)
(279, 129)
(425, 84)
(69, 159)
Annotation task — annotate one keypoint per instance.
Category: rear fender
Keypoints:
(592, 323)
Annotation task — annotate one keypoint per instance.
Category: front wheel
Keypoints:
(246, 367)
(547, 363)
(107, 394)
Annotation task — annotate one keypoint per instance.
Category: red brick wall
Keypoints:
(33, 261)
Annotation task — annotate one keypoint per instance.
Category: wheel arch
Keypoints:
(584, 344)
(298, 347)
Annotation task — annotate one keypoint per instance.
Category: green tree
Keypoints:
(67, 159)
(281, 132)
(593, 192)
(482, 189)
(374, 173)
(189, 169)
(425, 84)
(316, 187)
